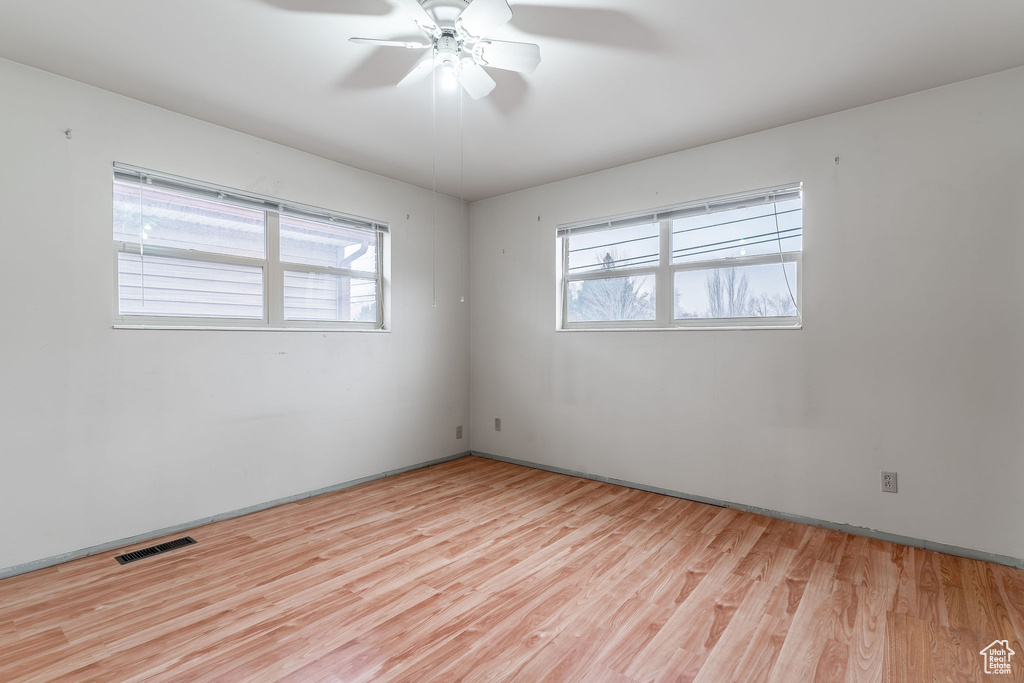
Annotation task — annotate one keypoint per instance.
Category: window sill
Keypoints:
(675, 328)
(225, 328)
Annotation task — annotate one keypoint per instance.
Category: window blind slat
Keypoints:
(725, 203)
(227, 195)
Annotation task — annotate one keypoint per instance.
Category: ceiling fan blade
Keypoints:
(483, 16)
(389, 43)
(502, 54)
(419, 72)
(417, 14)
(475, 80)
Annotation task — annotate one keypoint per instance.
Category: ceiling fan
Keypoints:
(457, 30)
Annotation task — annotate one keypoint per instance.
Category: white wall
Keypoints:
(911, 357)
(107, 433)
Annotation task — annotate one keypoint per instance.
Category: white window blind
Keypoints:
(226, 195)
(192, 253)
(731, 261)
(685, 210)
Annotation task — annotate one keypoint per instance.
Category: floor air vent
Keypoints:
(155, 550)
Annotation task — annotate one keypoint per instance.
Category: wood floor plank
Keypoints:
(762, 651)
(721, 662)
(802, 648)
(789, 591)
(681, 668)
(853, 565)
(482, 570)
(979, 596)
(625, 647)
(838, 628)
(693, 622)
(931, 605)
(771, 554)
(29, 654)
(953, 592)
(1010, 584)
(905, 600)
(8, 634)
(875, 594)
(908, 650)
(739, 536)
(572, 653)
(602, 674)
(954, 655)
(536, 623)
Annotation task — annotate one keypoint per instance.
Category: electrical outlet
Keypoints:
(497, 424)
(889, 482)
(458, 432)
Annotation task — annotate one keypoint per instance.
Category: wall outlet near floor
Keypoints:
(497, 424)
(889, 482)
(458, 432)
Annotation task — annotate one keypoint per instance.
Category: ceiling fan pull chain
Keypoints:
(433, 175)
(462, 196)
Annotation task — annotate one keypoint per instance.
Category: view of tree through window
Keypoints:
(614, 298)
(735, 258)
(606, 294)
(739, 292)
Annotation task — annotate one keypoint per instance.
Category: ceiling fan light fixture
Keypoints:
(457, 31)
(449, 81)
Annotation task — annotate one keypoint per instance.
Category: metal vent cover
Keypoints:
(155, 550)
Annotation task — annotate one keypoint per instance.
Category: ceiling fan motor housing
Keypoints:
(458, 31)
(447, 48)
(444, 12)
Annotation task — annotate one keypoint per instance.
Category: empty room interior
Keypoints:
(353, 340)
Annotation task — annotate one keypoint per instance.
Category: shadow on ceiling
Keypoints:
(360, 7)
(587, 25)
(511, 91)
(383, 67)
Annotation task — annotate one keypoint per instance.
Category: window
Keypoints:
(725, 262)
(192, 254)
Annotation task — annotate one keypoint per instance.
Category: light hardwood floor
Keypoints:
(480, 570)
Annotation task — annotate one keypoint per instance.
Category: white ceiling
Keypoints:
(620, 80)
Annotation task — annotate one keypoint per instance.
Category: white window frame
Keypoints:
(664, 273)
(272, 266)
